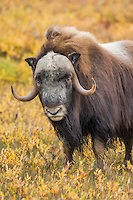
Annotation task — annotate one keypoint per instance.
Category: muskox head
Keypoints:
(54, 80)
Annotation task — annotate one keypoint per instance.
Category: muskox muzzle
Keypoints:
(55, 113)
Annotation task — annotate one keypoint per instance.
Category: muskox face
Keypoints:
(54, 81)
(53, 76)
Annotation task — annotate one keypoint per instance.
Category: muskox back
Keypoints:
(123, 50)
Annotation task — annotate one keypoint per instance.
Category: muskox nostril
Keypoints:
(53, 111)
(56, 113)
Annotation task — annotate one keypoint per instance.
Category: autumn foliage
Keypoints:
(31, 156)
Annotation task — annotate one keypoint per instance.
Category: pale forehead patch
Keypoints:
(53, 61)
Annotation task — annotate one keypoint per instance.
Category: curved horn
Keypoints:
(80, 89)
(74, 57)
(29, 97)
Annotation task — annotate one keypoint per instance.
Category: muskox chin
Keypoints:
(106, 114)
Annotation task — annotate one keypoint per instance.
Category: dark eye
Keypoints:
(68, 79)
(38, 82)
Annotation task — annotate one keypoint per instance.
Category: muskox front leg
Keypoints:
(128, 153)
(68, 151)
(98, 148)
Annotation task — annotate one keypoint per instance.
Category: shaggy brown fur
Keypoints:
(108, 113)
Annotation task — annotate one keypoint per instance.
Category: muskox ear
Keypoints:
(74, 57)
(32, 62)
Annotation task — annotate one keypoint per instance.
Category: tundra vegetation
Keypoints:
(30, 152)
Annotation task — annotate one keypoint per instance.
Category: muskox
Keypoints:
(63, 72)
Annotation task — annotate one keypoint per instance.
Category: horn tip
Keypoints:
(12, 90)
(94, 83)
(93, 80)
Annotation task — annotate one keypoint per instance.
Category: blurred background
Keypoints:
(23, 24)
